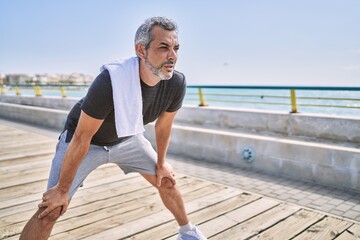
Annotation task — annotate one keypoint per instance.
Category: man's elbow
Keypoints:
(163, 127)
(81, 138)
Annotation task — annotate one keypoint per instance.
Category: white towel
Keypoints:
(126, 86)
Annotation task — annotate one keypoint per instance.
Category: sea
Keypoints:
(330, 102)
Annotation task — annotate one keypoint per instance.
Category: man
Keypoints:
(97, 121)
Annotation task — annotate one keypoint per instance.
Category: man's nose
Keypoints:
(172, 55)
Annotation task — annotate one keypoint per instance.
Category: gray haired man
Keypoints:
(94, 121)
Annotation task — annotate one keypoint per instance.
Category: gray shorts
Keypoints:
(134, 154)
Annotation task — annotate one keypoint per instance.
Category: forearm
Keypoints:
(163, 130)
(162, 143)
(76, 152)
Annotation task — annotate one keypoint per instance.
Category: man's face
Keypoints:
(161, 56)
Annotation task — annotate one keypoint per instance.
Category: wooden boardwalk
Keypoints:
(114, 206)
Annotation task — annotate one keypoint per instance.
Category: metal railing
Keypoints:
(37, 88)
(288, 97)
(219, 94)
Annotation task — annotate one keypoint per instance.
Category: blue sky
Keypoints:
(237, 42)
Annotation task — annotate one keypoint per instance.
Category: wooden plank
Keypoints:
(21, 170)
(101, 202)
(13, 169)
(113, 221)
(8, 129)
(93, 201)
(100, 211)
(12, 133)
(107, 174)
(16, 144)
(95, 179)
(17, 133)
(23, 167)
(42, 151)
(170, 229)
(97, 206)
(355, 230)
(252, 209)
(26, 160)
(239, 215)
(9, 194)
(121, 194)
(31, 177)
(291, 226)
(115, 208)
(347, 236)
(109, 218)
(137, 223)
(33, 204)
(328, 228)
(9, 234)
(4, 128)
(27, 148)
(21, 135)
(95, 189)
(253, 226)
(121, 187)
(7, 178)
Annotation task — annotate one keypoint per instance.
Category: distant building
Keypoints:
(2, 78)
(40, 79)
(88, 79)
(74, 78)
(17, 79)
(77, 78)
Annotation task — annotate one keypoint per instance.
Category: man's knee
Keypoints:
(52, 216)
(166, 185)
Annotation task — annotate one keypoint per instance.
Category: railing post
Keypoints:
(63, 93)
(293, 101)
(17, 90)
(37, 91)
(202, 99)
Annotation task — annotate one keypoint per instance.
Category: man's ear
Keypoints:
(140, 51)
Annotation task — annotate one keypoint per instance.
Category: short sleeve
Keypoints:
(179, 97)
(98, 102)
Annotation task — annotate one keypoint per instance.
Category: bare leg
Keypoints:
(40, 229)
(171, 197)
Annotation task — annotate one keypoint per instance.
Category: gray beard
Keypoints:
(157, 70)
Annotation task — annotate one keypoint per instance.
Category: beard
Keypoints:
(157, 70)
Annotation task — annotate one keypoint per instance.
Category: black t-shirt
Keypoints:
(98, 103)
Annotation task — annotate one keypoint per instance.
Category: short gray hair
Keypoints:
(143, 34)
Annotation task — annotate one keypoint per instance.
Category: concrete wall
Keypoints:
(325, 164)
(265, 122)
(45, 102)
(51, 118)
(322, 149)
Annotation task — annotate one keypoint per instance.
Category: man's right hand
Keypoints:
(165, 171)
(54, 198)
